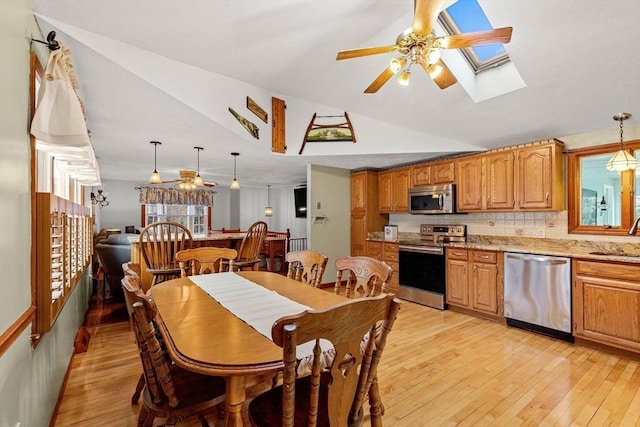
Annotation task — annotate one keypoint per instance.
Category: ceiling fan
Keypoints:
(189, 180)
(419, 45)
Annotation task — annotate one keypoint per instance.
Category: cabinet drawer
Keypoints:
(488, 257)
(457, 254)
(608, 269)
(390, 256)
(393, 265)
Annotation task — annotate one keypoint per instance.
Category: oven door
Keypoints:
(422, 275)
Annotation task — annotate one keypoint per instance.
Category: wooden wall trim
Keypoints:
(11, 334)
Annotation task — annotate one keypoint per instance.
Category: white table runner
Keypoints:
(253, 304)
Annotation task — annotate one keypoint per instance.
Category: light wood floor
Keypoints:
(438, 369)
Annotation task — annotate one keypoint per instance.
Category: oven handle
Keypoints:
(421, 249)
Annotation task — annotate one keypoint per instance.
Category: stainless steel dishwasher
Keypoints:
(537, 293)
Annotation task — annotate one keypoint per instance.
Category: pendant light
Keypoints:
(268, 210)
(155, 176)
(622, 160)
(235, 185)
(198, 179)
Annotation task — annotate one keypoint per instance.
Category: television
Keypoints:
(300, 200)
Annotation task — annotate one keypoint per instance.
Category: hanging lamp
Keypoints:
(155, 176)
(235, 185)
(268, 210)
(622, 160)
(198, 179)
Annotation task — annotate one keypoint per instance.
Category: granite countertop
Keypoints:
(585, 249)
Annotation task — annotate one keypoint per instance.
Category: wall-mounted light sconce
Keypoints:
(99, 199)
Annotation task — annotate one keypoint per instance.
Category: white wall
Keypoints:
(329, 196)
(29, 379)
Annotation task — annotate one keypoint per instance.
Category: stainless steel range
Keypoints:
(422, 264)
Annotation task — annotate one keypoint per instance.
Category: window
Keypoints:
(601, 201)
(195, 217)
(467, 16)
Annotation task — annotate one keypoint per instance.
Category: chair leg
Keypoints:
(375, 404)
(139, 387)
(145, 418)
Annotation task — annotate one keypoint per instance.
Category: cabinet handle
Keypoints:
(475, 268)
(546, 198)
(484, 256)
(488, 199)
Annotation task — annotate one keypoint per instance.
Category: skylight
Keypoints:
(467, 16)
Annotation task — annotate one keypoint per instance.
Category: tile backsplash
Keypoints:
(543, 225)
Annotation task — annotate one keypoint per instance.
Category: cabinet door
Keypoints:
(484, 290)
(443, 173)
(535, 177)
(420, 175)
(391, 257)
(606, 311)
(469, 188)
(358, 234)
(385, 191)
(500, 177)
(374, 250)
(358, 192)
(401, 189)
(457, 283)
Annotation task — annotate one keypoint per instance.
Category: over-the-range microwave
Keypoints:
(433, 199)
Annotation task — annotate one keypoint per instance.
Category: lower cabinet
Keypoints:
(387, 252)
(606, 303)
(474, 280)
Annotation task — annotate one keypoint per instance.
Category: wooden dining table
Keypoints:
(203, 336)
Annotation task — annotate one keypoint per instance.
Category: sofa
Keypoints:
(112, 253)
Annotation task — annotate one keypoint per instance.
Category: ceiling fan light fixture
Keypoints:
(404, 78)
(622, 160)
(433, 56)
(397, 64)
(155, 176)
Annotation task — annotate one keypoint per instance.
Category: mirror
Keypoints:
(601, 201)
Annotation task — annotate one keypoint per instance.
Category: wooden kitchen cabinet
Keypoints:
(364, 209)
(469, 191)
(474, 280)
(387, 252)
(443, 172)
(539, 176)
(421, 175)
(606, 303)
(393, 190)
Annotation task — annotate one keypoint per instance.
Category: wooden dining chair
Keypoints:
(131, 268)
(365, 276)
(205, 260)
(249, 253)
(169, 391)
(159, 243)
(331, 395)
(307, 266)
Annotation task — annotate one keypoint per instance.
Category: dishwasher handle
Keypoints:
(541, 259)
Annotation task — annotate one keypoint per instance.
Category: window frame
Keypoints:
(627, 189)
(477, 65)
(143, 218)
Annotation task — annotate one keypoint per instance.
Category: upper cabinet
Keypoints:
(433, 173)
(393, 190)
(486, 182)
(539, 177)
(528, 177)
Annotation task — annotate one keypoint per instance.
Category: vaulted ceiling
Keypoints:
(169, 70)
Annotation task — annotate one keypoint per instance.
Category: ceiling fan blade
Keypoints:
(210, 184)
(379, 81)
(171, 181)
(425, 13)
(444, 78)
(457, 41)
(356, 53)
